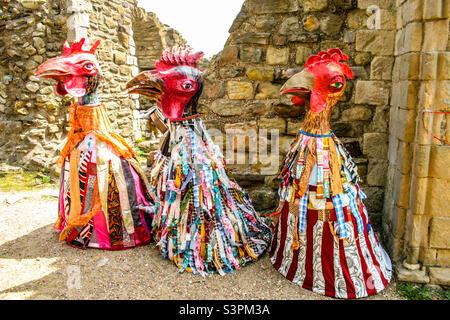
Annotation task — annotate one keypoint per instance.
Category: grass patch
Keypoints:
(24, 181)
(141, 139)
(413, 291)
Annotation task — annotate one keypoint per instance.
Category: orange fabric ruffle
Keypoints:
(86, 119)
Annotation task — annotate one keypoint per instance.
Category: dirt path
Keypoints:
(34, 265)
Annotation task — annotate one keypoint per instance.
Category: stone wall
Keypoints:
(151, 37)
(32, 118)
(416, 217)
(268, 41)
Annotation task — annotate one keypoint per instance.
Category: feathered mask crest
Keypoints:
(178, 56)
(333, 55)
(80, 46)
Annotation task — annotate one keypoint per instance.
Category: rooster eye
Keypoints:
(187, 86)
(89, 66)
(337, 85)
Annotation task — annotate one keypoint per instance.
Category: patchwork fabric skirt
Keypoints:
(323, 239)
(204, 221)
(318, 260)
(104, 201)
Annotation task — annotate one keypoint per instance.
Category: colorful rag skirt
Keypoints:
(323, 241)
(104, 201)
(204, 221)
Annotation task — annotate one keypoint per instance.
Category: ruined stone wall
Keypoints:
(151, 37)
(416, 217)
(270, 39)
(32, 117)
(111, 22)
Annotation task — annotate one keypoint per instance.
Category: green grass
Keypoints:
(413, 291)
(24, 181)
(141, 139)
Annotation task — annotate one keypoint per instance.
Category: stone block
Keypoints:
(384, 4)
(301, 55)
(270, 6)
(310, 23)
(443, 67)
(440, 276)
(226, 108)
(273, 123)
(432, 9)
(277, 56)
(435, 35)
(250, 54)
(417, 276)
(213, 89)
(428, 65)
(404, 94)
(250, 37)
(377, 42)
(412, 10)
(440, 231)
(120, 58)
(439, 165)
(357, 113)
(428, 256)
(371, 92)
(443, 257)
(362, 58)
(260, 74)
(381, 68)
(239, 90)
(438, 198)
(356, 19)
(331, 24)
(268, 91)
(375, 145)
(314, 5)
(377, 172)
(289, 26)
(229, 55)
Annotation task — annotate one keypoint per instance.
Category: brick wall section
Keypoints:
(416, 217)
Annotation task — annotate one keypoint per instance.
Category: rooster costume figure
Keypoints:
(104, 201)
(203, 220)
(323, 240)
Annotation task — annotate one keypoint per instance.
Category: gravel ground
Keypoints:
(34, 265)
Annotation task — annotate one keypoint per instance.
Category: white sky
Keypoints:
(203, 23)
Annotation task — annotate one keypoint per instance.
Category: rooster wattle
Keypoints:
(323, 240)
(204, 220)
(104, 201)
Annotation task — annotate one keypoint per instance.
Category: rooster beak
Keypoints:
(55, 68)
(300, 84)
(146, 83)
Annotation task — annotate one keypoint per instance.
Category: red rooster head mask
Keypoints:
(77, 71)
(321, 83)
(175, 83)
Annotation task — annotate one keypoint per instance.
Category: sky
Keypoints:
(203, 23)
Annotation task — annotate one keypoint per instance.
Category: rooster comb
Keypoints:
(79, 46)
(334, 55)
(178, 56)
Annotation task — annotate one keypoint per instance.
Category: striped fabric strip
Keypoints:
(319, 151)
(337, 201)
(302, 209)
(354, 208)
(326, 169)
(194, 178)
